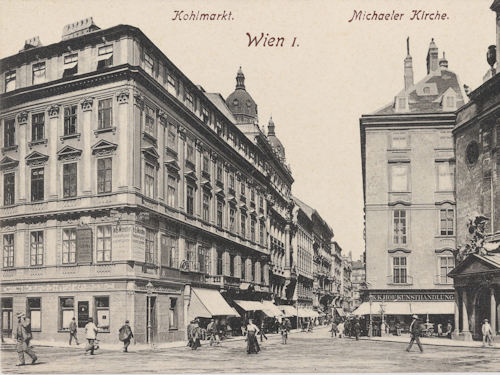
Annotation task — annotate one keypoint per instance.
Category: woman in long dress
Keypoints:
(252, 343)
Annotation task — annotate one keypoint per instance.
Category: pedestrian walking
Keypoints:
(449, 329)
(284, 329)
(333, 330)
(23, 338)
(196, 335)
(213, 333)
(262, 333)
(252, 343)
(341, 328)
(91, 336)
(487, 333)
(357, 329)
(415, 331)
(125, 334)
(72, 331)
(398, 329)
(189, 330)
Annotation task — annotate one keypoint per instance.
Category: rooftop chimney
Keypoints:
(408, 66)
(81, 27)
(432, 57)
(443, 63)
(32, 43)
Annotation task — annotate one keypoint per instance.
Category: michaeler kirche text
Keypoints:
(414, 15)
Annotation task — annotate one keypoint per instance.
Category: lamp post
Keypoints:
(370, 327)
(149, 291)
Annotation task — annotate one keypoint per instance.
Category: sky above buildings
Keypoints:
(315, 91)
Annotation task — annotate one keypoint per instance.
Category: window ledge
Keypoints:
(69, 198)
(105, 130)
(105, 194)
(62, 138)
(10, 148)
(38, 142)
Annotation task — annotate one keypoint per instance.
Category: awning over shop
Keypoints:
(406, 308)
(250, 305)
(288, 310)
(271, 310)
(307, 313)
(206, 303)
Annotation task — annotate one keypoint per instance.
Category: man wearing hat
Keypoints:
(91, 335)
(125, 335)
(487, 333)
(415, 334)
(22, 341)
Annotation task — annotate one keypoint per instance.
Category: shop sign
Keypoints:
(413, 296)
(84, 244)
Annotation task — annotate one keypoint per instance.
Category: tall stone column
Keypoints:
(125, 143)
(466, 334)
(22, 121)
(87, 128)
(457, 313)
(52, 131)
(287, 247)
(493, 311)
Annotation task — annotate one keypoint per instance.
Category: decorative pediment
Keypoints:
(475, 264)
(399, 202)
(252, 213)
(103, 148)
(172, 165)
(243, 206)
(444, 249)
(232, 200)
(191, 175)
(36, 158)
(8, 163)
(392, 251)
(68, 153)
(220, 192)
(206, 184)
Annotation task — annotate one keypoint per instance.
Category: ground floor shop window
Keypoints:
(34, 313)
(102, 313)
(66, 312)
(7, 315)
(172, 317)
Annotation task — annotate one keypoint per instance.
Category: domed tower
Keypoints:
(274, 141)
(241, 103)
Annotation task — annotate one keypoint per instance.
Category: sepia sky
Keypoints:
(315, 91)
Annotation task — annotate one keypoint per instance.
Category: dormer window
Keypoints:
(450, 102)
(39, 73)
(427, 90)
(70, 65)
(171, 84)
(105, 57)
(10, 81)
(148, 63)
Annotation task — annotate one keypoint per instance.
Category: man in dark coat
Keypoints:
(357, 329)
(22, 341)
(415, 331)
(72, 331)
(125, 335)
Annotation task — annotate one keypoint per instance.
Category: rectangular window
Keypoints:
(252, 195)
(446, 176)
(399, 270)
(206, 164)
(446, 264)
(190, 151)
(69, 246)
(37, 182)
(66, 312)
(190, 200)
(261, 201)
(263, 279)
(150, 246)
(243, 223)
(447, 218)
(70, 117)
(243, 268)
(399, 140)
(104, 175)
(399, 177)
(171, 84)
(102, 313)
(262, 232)
(231, 180)
(203, 260)
(39, 75)
(70, 65)
(36, 248)
(148, 63)
(104, 57)
(105, 113)
(400, 227)
(150, 125)
(252, 230)
(9, 188)
(243, 188)
(219, 213)
(220, 261)
(205, 115)
(170, 257)
(232, 213)
(206, 207)
(219, 172)
(9, 133)
(38, 126)
(191, 255)
(10, 81)
(171, 139)
(34, 313)
(231, 264)
(149, 180)
(103, 251)
(172, 316)
(171, 190)
(8, 250)
(189, 100)
(69, 180)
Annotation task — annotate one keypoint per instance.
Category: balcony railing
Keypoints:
(401, 280)
(224, 281)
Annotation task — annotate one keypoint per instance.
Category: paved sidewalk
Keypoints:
(435, 341)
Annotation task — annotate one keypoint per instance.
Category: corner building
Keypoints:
(128, 191)
(408, 165)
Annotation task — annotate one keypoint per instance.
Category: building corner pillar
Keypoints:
(493, 311)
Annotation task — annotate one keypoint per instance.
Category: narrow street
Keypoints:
(305, 352)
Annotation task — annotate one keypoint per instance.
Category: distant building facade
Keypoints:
(408, 165)
(358, 279)
(128, 192)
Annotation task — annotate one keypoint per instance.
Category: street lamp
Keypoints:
(149, 291)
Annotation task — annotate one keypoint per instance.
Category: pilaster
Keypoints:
(125, 143)
(22, 121)
(87, 105)
(52, 131)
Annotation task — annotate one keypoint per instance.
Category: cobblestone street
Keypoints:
(305, 352)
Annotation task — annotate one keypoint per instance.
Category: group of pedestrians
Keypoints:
(347, 327)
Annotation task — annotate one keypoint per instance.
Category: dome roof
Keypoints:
(274, 141)
(241, 103)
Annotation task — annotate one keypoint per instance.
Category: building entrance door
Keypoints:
(481, 311)
(151, 319)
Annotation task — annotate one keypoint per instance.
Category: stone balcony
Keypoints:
(224, 281)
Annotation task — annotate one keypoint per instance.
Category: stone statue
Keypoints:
(475, 244)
